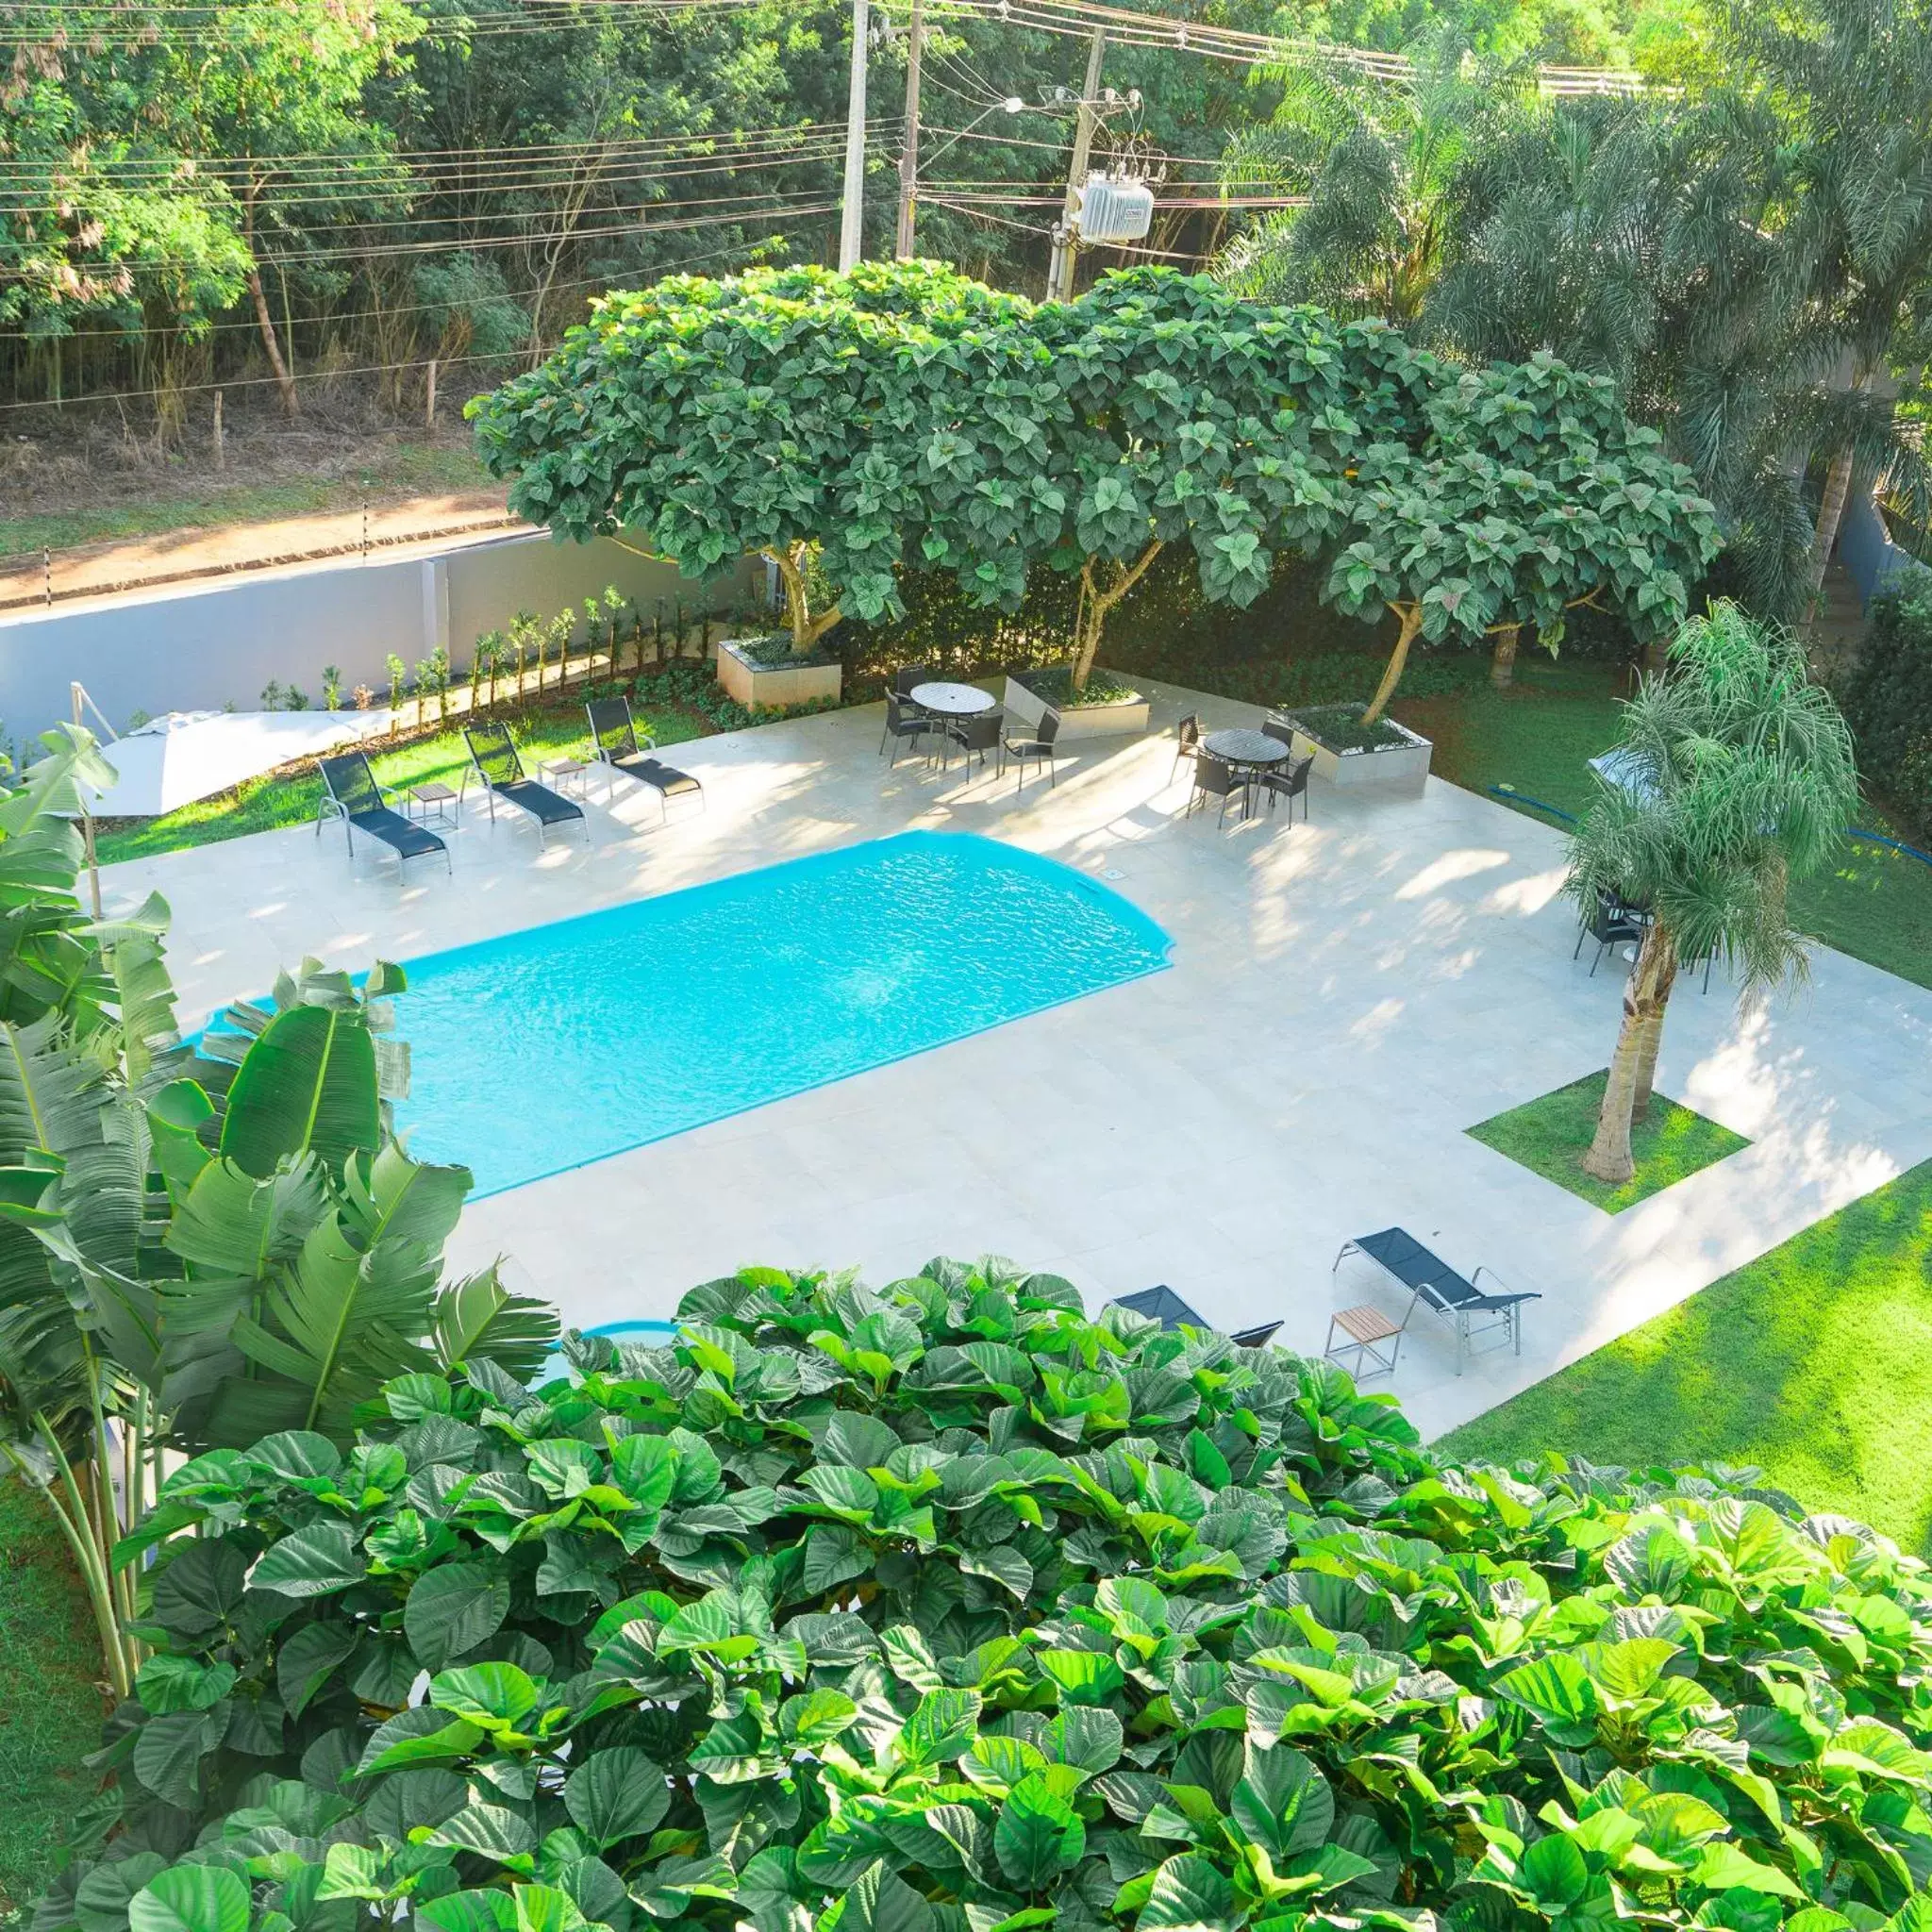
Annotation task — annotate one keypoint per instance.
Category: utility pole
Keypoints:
(908, 159)
(1060, 275)
(852, 213)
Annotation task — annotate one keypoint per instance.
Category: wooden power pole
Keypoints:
(1060, 275)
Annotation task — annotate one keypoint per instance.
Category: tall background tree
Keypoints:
(1737, 778)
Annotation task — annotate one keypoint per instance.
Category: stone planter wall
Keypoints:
(778, 687)
(1403, 767)
(1128, 719)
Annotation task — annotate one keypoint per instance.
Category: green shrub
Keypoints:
(944, 1609)
(1887, 696)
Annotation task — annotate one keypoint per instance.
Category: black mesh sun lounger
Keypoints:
(1438, 1288)
(1163, 1306)
(502, 773)
(351, 793)
(618, 746)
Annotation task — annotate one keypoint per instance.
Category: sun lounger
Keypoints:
(1436, 1286)
(1163, 1306)
(350, 793)
(621, 747)
(501, 771)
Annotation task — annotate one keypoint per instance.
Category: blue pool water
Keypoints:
(546, 1049)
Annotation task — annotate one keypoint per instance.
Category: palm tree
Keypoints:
(1853, 81)
(1376, 160)
(1739, 778)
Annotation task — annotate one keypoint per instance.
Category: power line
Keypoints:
(106, 396)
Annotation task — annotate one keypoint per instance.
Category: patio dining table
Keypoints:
(953, 700)
(1246, 747)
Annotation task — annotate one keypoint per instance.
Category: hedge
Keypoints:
(944, 1608)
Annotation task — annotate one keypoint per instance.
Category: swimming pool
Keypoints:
(564, 1044)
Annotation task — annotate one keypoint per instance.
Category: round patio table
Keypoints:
(1246, 747)
(953, 700)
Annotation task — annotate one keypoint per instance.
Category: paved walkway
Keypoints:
(1347, 997)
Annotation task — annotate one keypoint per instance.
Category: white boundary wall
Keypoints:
(200, 646)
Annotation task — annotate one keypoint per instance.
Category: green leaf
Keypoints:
(494, 1697)
(191, 1898)
(182, 1683)
(452, 1609)
(1725, 1865)
(941, 1727)
(1084, 1676)
(615, 1794)
(1282, 1802)
(315, 1561)
(1037, 1835)
(1554, 1873)
(307, 1083)
(1189, 1895)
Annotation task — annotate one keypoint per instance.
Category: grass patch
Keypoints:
(50, 1709)
(267, 803)
(1551, 1135)
(432, 468)
(1813, 1363)
(1874, 904)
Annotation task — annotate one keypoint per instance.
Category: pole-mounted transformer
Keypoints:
(1114, 208)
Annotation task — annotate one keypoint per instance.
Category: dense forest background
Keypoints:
(278, 209)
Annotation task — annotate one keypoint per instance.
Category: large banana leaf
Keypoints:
(51, 1091)
(309, 1085)
(478, 1319)
(234, 1226)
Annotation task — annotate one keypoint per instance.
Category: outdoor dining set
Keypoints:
(962, 717)
(1242, 765)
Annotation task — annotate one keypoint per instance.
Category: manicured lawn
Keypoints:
(1551, 1135)
(50, 1709)
(271, 802)
(1814, 1364)
(1876, 903)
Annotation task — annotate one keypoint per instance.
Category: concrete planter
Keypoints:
(1401, 766)
(1125, 719)
(778, 687)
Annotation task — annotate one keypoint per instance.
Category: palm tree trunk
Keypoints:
(1503, 655)
(1412, 616)
(1652, 1035)
(1645, 994)
(1831, 510)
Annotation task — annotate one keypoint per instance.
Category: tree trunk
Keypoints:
(1831, 510)
(1652, 1036)
(1645, 994)
(284, 381)
(1090, 620)
(1502, 657)
(1412, 616)
(805, 629)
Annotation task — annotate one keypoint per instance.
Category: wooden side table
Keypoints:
(1362, 1327)
(433, 804)
(561, 773)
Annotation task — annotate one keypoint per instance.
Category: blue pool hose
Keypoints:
(1569, 818)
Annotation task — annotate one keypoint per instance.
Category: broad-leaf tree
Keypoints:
(1737, 778)
(1529, 493)
(839, 425)
(1195, 417)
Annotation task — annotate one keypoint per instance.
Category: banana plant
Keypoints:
(197, 1244)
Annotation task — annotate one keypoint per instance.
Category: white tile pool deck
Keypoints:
(1346, 998)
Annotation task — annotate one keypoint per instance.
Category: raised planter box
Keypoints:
(1402, 764)
(775, 687)
(1124, 718)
